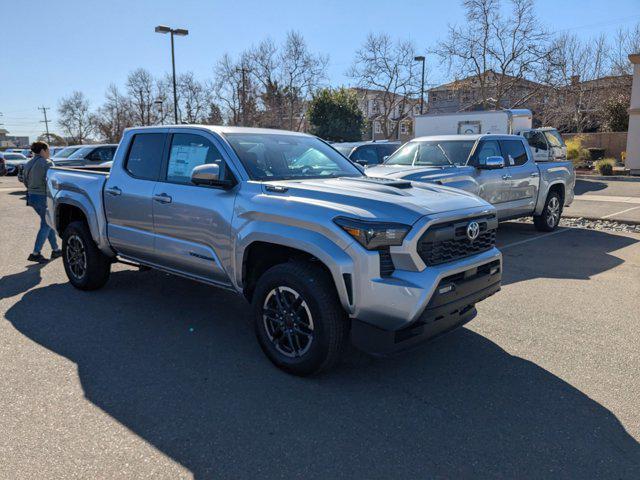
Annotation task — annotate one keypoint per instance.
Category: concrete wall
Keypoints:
(613, 142)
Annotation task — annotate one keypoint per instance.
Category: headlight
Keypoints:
(373, 235)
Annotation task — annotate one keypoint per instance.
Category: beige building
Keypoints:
(389, 115)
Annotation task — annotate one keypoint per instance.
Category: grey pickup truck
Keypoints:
(322, 252)
(498, 168)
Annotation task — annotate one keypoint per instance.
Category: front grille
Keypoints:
(386, 262)
(448, 242)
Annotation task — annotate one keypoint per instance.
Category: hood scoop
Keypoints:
(386, 182)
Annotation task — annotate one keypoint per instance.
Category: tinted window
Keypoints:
(145, 155)
(81, 153)
(343, 149)
(269, 156)
(536, 140)
(187, 152)
(514, 152)
(488, 148)
(388, 149)
(366, 154)
(102, 154)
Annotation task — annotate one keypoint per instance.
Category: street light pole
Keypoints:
(421, 58)
(182, 33)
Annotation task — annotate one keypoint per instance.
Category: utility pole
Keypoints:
(422, 59)
(45, 121)
(243, 95)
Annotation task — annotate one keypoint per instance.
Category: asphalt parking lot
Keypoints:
(156, 376)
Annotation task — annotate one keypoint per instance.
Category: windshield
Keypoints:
(432, 153)
(284, 157)
(66, 152)
(81, 152)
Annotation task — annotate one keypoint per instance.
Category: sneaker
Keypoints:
(56, 254)
(37, 258)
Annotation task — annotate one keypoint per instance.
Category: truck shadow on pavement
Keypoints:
(586, 186)
(569, 253)
(176, 362)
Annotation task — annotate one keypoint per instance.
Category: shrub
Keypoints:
(576, 152)
(605, 166)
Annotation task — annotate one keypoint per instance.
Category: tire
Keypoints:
(86, 266)
(550, 218)
(316, 335)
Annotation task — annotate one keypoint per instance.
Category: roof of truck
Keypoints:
(223, 129)
(462, 138)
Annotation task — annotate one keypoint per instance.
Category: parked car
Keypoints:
(55, 150)
(320, 250)
(3, 168)
(498, 168)
(65, 152)
(87, 155)
(546, 143)
(23, 151)
(13, 162)
(367, 153)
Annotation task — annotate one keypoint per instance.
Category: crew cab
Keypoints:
(322, 252)
(498, 168)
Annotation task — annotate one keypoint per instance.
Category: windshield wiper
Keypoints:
(445, 154)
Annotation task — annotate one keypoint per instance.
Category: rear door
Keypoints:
(525, 178)
(128, 197)
(193, 222)
(493, 185)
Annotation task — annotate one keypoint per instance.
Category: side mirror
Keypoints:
(491, 163)
(209, 174)
(384, 159)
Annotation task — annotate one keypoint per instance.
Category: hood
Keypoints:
(379, 199)
(16, 162)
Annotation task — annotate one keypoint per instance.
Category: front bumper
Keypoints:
(451, 306)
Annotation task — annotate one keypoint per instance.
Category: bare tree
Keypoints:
(302, 72)
(113, 116)
(626, 42)
(194, 99)
(499, 52)
(235, 91)
(387, 70)
(143, 93)
(573, 76)
(75, 118)
(265, 64)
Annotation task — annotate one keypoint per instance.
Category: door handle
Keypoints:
(506, 177)
(115, 191)
(535, 174)
(162, 198)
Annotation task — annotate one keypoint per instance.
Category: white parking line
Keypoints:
(538, 237)
(623, 211)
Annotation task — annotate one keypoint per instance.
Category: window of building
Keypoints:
(404, 129)
(377, 128)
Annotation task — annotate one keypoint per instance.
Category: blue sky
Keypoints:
(86, 45)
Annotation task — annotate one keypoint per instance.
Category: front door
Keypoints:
(193, 222)
(525, 179)
(493, 185)
(128, 197)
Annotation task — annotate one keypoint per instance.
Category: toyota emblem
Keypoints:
(473, 230)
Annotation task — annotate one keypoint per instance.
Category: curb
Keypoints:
(600, 219)
(614, 178)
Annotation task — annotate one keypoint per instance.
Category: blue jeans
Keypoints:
(39, 204)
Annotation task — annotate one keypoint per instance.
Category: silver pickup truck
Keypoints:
(320, 250)
(498, 168)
